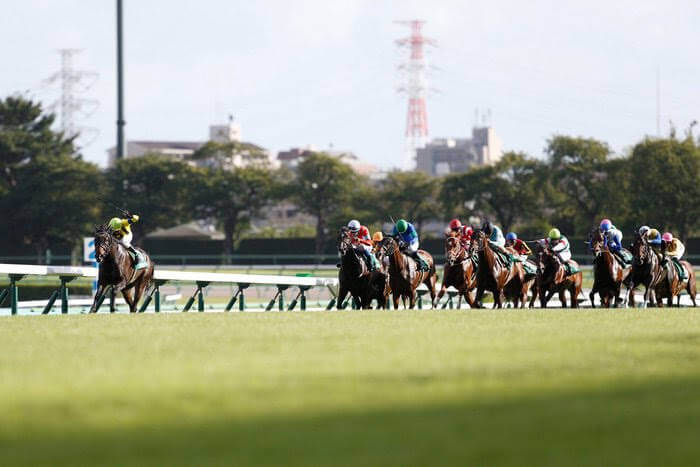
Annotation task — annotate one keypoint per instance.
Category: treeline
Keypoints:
(49, 194)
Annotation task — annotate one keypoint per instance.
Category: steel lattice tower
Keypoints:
(415, 87)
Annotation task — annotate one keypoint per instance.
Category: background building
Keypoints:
(443, 156)
(292, 157)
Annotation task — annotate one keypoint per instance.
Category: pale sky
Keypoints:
(324, 72)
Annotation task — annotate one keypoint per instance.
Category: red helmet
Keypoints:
(363, 232)
(455, 224)
(467, 230)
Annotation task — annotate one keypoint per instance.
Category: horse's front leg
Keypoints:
(129, 298)
(479, 296)
(439, 295)
(98, 294)
(412, 299)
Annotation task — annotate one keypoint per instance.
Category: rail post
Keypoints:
(14, 293)
(3, 295)
(200, 303)
(64, 292)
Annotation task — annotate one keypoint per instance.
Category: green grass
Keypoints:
(352, 388)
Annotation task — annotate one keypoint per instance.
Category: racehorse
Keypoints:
(117, 269)
(459, 271)
(608, 273)
(491, 274)
(404, 276)
(646, 270)
(552, 278)
(671, 285)
(353, 276)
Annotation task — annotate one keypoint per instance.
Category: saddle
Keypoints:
(571, 267)
(680, 269)
(423, 263)
(529, 267)
(624, 257)
(506, 259)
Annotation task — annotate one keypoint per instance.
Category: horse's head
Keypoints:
(479, 240)
(386, 248)
(104, 240)
(595, 241)
(640, 248)
(453, 250)
(344, 240)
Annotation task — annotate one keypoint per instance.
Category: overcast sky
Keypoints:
(324, 72)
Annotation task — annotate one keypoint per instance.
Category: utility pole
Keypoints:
(416, 87)
(120, 85)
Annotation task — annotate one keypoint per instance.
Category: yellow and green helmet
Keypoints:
(115, 223)
(554, 234)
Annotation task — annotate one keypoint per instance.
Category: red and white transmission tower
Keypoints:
(415, 86)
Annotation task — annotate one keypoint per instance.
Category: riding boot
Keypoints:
(139, 260)
(422, 265)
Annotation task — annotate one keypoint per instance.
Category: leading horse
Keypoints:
(552, 278)
(404, 274)
(459, 271)
(117, 270)
(646, 271)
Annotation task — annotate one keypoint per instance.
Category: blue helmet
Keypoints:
(512, 236)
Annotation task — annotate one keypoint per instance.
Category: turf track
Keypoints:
(589, 387)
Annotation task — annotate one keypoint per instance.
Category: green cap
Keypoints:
(401, 225)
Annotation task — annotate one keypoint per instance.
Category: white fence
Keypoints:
(66, 274)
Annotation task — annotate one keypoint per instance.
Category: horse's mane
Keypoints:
(103, 229)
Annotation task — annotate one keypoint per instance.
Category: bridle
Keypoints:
(103, 239)
(455, 252)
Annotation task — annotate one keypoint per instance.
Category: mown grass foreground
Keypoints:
(352, 388)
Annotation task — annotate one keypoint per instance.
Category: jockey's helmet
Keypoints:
(605, 225)
(467, 230)
(487, 227)
(115, 223)
(354, 225)
(643, 229)
(554, 234)
(455, 224)
(377, 237)
(401, 225)
(512, 236)
(653, 233)
(363, 232)
(667, 237)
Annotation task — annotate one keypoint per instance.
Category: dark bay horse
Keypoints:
(459, 271)
(552, 278)
(646, 271)
(404, 276)
(117, 270)
(353, 276)
(491, 275)
(608, 273)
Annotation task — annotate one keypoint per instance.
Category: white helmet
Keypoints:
(354, 225)
(644, 229)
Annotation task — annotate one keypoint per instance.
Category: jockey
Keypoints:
(496, 239)
(643, 230)
(675, 250)
(612, 238)
(465, 236)
(518, 245)
(454, 228)
(359, 236)
(654, 239)
(377, 237)
(121, 229)
(559, 245)
(407, 234)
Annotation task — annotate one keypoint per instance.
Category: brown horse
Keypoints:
(117, 270)
(353, 276)
(552, 278)
(608, 273)
(646, 271)
(459, 271)
(404, 276)
(672, 286)
(491, 274)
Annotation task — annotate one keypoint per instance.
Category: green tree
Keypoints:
(507, 192)
(25, 133)
(230, 155)
(55, 198)
(580, 168)
(155, 187)
(232, 198)
(665, 184)
(410, 195)
(323, 187)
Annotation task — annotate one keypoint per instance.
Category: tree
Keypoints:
(410, 195)
(580, 169)
(232, 198)
(25, 133)
(323, 187)
(155, 187)
(55, 198)
(506, 192)
(665, 183)
(230, 155)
